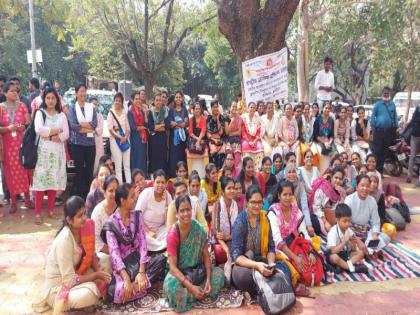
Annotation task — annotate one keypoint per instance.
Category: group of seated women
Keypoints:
(247, 219)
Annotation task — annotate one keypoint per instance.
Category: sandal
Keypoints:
(302, 290)
(38, 219)
(13, 208)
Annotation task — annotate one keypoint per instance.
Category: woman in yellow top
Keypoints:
(211, 184)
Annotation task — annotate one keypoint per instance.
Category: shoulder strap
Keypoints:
(116, 119)
(390, 116)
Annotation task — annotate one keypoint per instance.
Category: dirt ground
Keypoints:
(23, 247)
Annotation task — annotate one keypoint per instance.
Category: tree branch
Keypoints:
(162, 5)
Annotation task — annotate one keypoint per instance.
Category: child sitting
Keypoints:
(344, 246)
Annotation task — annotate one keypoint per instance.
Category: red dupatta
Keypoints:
(139, 120)
(326, 187)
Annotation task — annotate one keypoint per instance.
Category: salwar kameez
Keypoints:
(138, 140)
(177, 144)
(251, 132)
(158, 149)
(190, 252)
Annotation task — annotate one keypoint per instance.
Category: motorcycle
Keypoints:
(398, 158)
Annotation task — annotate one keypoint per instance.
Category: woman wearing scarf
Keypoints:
(251, 135)
(177, 123)
(288, 131)
(306, 129)
(137, 118)
(308, 172)
(234, 133)
(360, 133)
(325, 196)
(216, 127)
(300, 196)
(197, 148)
(377, 193)
(225, 212)
(83, 122)
(287, 222)
(342, 132)
(269, 123)
(324, 136)
(157, 138)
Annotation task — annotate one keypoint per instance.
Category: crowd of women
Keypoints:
(269, 177)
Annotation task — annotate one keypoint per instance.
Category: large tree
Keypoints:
(255, 27)
(146, 34)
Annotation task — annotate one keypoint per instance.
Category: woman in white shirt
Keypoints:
(360, 132)
(117, 118)
(100, 216)
(154, 202)
(269, 124)
(308, 172)
(364, 215)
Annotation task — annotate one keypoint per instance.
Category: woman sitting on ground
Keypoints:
(138, 179)
(342, 132)
(269, 181)
(194, 189)
(277, 164)
(133, 270)
(287, 222)
(100, 216)
(154, 202)
(97, 195)
(104, 159)
(252, 244)
(225, 213)
(74, 278)
(365, 217)
(309, 173)
(216, 129)
(377, 193)
(371, 162)
(269, 126)
(350, 173)
(180, 189)
(197, 129)
(360, 131)
(181, 175)
(306, 131)
(247, 176)
(251, 135)
(288, 131)
(230, 166)
(290, 158)
(211, 184)
(326, 195)
(238, 196)
(233, 131)
(300, 196)
(187, 249)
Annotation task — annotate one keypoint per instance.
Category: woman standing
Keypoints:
(326, 195)
(288, 131)
(269, 124)
(154, 202)
(177, 123)
(197, 132)
(68, 283)
(158, 150)
(216, 126)
(119, 131)
(83, 122)
(342, 132)
(13, 118)
(126, 239)
(360, 133)
(187, 248)
(324, 136)
(137, 118)
(251, 135)
(99, 141)
(225, 213)
(234, 133)
(306, 131)
(50, 171)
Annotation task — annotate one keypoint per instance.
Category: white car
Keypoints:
(401, 101)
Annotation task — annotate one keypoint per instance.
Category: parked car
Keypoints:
(401, 101)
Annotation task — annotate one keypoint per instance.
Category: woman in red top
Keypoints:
(197, 132)
(13, 118)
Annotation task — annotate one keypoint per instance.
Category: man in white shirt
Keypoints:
(324, 83)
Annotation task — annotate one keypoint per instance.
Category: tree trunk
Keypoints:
(302, 65)
(254, 29)
(149, 82)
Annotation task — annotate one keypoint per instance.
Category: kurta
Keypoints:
(138, 140)
(155, 214)
(176, 150)
(63, 258)
(119, 251)
(50, 171)
(99, 140)
(15, 175)
(158, 150)
(251, 129)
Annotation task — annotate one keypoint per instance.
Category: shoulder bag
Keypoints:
(123, 146)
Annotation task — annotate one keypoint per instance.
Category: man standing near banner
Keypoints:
(324, 83)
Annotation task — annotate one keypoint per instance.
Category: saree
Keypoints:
(189, 256)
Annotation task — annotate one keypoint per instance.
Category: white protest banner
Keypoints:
(265, 77)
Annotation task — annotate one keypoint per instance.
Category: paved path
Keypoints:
(22, 255)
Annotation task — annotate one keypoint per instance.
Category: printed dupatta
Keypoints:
(139, 120)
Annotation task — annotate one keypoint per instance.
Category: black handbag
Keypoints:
(192, 147)
(196, 275)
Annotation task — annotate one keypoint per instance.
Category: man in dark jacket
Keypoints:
(414, 142)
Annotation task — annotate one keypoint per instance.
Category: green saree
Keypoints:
(179, 298)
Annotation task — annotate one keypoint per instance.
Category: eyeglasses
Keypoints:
(255, 202)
